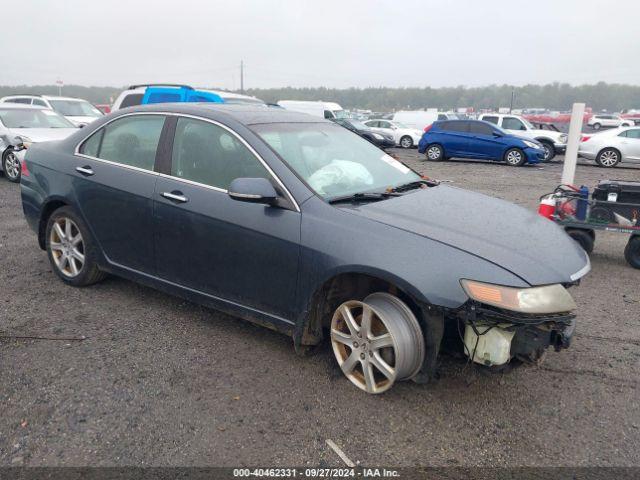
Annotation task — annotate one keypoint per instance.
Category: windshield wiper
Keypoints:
(363, 197)
(414, 185)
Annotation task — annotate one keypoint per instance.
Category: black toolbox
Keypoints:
(617, 196)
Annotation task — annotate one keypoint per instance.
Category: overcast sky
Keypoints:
(330, 43)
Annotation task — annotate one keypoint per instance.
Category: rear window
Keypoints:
(131, 100)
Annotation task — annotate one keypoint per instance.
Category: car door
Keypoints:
(456, 138)
(484, 143)
(629, 142)
(114, 180)
(245, 253)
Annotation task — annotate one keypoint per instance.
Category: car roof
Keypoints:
(21, 106)
(247, 114)
(46, 97)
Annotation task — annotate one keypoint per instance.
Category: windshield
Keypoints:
(75, 108)
(528, 124)
(333, 161)
(33, 118)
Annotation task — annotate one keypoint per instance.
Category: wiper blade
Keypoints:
(414, 185)
(363, 197)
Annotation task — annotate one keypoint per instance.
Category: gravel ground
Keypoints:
(159, 381)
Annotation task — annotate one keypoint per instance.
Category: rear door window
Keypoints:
(206, 153)
(633, 133)
(479, 128)
(131, 140)
(493, 120)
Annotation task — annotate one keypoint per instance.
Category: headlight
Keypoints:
(377, 136)
(534, 300)
(26, 141)
(563, 138)
(532, 144)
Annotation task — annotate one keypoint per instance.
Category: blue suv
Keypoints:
(478, 139)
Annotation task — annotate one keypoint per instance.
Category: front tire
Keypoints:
(71, 249)
(608, 158)
(632, 251)
(406, 142)
(377, 341)
(549, 151)
(584, 238)
(434, 152)
(515, 157)
(596, 126)
(11, 166)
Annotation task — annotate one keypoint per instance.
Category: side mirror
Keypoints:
(497, 134)
(253, 190)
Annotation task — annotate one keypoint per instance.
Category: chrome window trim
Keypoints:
(195, 117)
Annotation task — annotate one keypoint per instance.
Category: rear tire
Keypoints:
(71, 249)
(632, 251)
(435, 152)
(608, 158)
(406, 142)
(515, 157)
(11, 166)
(583, 237)
(596, 126)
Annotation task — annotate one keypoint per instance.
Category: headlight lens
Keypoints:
(534, 300)
(531, 144)
(563, 138)
(377, 136)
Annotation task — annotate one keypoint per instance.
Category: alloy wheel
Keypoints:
(434, 153)
(547, 151)
(609, 158)
(406, 142)
(11, 166)
(514, 157)
(67, 247)
(377, 341)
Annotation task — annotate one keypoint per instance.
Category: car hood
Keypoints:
(547, 133)
(43, 134)
(518, 240)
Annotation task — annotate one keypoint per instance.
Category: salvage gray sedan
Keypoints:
(299, 224)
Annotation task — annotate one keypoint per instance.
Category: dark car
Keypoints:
(478, 139)
(379, 139)
(294, 222)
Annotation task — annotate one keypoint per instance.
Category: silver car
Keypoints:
(23, 125)
(612, 147)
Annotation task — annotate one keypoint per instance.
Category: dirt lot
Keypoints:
(159, 381)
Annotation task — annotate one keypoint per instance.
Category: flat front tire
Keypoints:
(377, 341)
(71, 249)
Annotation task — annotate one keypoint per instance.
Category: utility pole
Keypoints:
(513, 94)
(241, 76)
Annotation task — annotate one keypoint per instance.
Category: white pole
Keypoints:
(571, 156)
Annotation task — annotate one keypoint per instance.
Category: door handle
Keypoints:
(86, 171)
(175, 197)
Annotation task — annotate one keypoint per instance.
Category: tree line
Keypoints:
(553, 96)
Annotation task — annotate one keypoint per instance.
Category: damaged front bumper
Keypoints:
(493, 337)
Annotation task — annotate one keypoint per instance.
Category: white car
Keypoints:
(132, 96)
(553, 142)
(420, 119)
(76, 110)
(327, 110)
(23, 125)
(612, 146)
(403, 135)
(599, 121)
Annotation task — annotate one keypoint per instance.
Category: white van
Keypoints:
(419, 119)
(327, 110)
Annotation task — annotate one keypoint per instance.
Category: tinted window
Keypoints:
(39, 102)
(131, 100)
(130, 141)
(328, 114)
(511, 123)
(384, 124)
(493, 120)
(480, 128)
(441, 116)
(372, 124)
(19, 100)
(455, 126)
(633, 133)
(209, 154)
